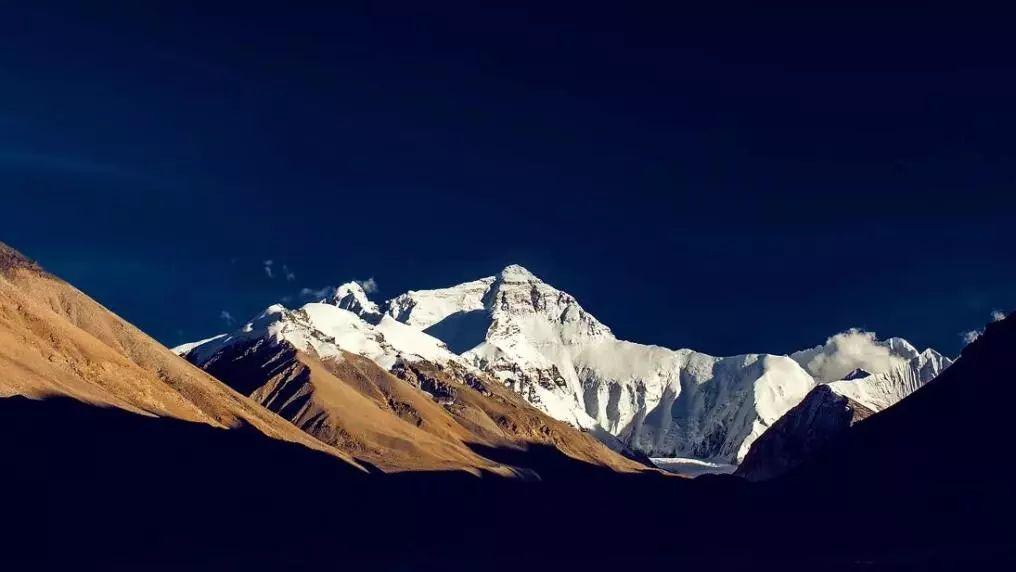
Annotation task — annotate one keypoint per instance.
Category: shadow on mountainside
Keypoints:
(462, 331)
(94, 485)
(85, 486)
(542, 462)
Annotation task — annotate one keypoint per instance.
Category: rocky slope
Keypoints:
(384, 392)
(818, 421)
(56, 341)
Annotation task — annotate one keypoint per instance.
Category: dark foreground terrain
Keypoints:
(86, 486)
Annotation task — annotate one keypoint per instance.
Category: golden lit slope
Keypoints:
(424, 417)
(54, 340)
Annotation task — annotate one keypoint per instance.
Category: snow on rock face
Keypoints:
(881, 390)
(665, 403)
(326, 330)
(540, 342)
(688, 404)
(351, 296)
(424, 308)
(184, 349)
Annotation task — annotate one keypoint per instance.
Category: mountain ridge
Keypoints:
(359, 386)
(661, 402)
(56, 341)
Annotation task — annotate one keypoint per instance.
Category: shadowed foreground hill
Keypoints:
(937, 465)
(88, 487)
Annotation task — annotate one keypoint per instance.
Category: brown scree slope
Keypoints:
(420, 416)
(56, 341)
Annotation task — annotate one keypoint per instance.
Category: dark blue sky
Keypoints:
(753, 179)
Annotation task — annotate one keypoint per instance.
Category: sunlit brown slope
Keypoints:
(424, 417)
(496, 416)
(55, 340)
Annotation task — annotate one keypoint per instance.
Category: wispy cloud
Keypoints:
(315, 293)
(970, 336)
(369, 285)
(268, 268)
(290, 276)
(227, 317)
(845, 352)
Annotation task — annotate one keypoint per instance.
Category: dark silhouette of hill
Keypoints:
(933, 473)
(88, 487)
(815, 423)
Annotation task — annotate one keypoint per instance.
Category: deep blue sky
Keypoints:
(753, 179)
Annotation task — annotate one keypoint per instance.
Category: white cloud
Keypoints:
(845, 352)
(227, 317)
(290, 276)
(369, 285)
(268, 269)
(316, 294)
(969, 337)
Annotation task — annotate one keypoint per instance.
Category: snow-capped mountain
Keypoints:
(327, 330)
(351, 296)
(879, 391)
(662, 402)
(387, 393)
(829, 410)
(541, 343)
(885, 372)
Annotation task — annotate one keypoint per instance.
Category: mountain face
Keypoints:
(539, 342)
(384, 392)
(829, 410)
(661, 402)
(818, 421)
(881, 390)
(56, 341)
(351, 296)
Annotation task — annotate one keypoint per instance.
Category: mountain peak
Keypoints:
(351, 296)
(11, 259)
(516, 273)
(856, 374)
